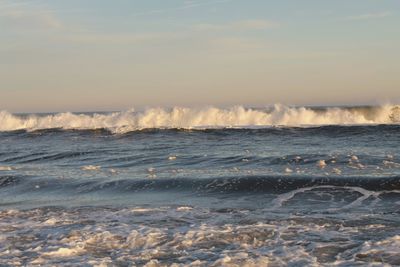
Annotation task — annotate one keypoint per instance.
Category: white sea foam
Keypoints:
(163, 236)
(90, 168)
(385, 250)
(321, 164)
(64, 252)
(288, 170)
(184, 208)
(210, 117)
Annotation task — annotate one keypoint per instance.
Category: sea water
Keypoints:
(277, 186)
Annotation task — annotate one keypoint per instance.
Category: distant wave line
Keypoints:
(203, 118)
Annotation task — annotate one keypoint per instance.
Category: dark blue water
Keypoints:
(269, 196)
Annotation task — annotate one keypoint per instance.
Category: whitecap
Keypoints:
(201, 118)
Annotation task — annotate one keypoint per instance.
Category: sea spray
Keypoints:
(203, 118)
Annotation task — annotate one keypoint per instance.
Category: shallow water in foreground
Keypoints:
(272, 196)
(313, 226)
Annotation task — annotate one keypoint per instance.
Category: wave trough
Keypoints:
(204, 118)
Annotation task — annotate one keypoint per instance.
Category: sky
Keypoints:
(86, 55)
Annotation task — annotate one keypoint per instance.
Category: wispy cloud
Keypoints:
(27, 16)
(228, 44)
(186, 5)
(117, 38)
(255, 24)
(29, 20)
(24, 16)
(369, 16)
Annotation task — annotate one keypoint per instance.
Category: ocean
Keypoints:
(277, 186)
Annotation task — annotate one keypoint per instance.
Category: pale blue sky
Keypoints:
(58, 55)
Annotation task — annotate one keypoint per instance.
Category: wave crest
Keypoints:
(203, 118)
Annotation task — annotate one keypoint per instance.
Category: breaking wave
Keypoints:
(204, 118)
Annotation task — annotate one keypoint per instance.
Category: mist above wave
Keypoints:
(209, 117)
